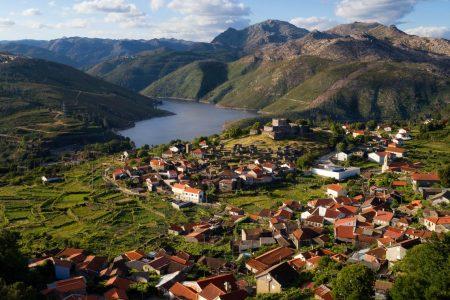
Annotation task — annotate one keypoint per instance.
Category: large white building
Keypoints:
(336, 172)
(186, 193)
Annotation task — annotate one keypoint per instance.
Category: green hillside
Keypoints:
(44, 105)
(138, 72)
(193, 81)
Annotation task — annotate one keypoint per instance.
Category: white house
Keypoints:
(378, 157)
(186, 193)
(342, 156)
(338, 173)
(437, 224)
(397, 252)
(336, 190)
(396, 151)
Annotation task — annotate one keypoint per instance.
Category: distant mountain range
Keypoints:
(353, 71)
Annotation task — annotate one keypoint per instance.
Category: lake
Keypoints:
(191, 119)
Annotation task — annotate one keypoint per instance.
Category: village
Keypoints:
(273, 250)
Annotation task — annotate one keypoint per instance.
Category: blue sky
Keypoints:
(201, 20)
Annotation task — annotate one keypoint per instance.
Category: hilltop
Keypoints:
(251, 38)
(47, 103)
(356, 71)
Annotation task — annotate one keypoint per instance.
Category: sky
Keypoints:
(202, 20)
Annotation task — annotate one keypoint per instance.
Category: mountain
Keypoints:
(395, 36)
(190, 82)
(251, 38)
(35, 50)
(357, 71)
(84, 53)
(46, 105)
(139, 71)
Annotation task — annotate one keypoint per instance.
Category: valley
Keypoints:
(273, 162)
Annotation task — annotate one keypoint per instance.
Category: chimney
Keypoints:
(188, 148)
(227, 286)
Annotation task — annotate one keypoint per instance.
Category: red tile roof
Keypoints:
(218, 280)
(135, 255)
(345, 232)
(183, 292)
(115, 294)
(72, 284)
(439, 221)
(425, 177)
(335, 187)
(211, 292)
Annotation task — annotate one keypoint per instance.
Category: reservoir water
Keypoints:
(191, 119)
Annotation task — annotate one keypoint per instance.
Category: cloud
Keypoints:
(430, 31)
(157, 4)
(4, 23)
(120, 12)
(202, 20)
(314, 23)
(105, 6)
(31, 12)
(383, 11)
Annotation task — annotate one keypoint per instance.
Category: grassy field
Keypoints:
(317, 142)
(433, 151)
(83, 211)
(307, 189)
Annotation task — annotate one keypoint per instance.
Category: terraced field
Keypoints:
(83, 211)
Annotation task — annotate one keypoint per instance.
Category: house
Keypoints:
(276, 279)
(92, 265)
(227, 185)
(342, 156)
(63, 289)
(336, 172)
(51, 179)
(378, 157)
(268, 259)
(437, 224)
(62, 268)
(198, 153)
(357, 133)
(424, 179)
(115, 294)
(383, 218)
(322, 292)
(314, 221)
(134, 255)
(180, 291)
(304, 236)
(336, 190)
(186, 193)
(158, 164)
(397, 252)
(396, 151)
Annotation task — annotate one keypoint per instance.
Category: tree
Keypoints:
(16, 291)
(340, 147)
(326, 270)
(256, 125)
(371, 125)
(444, 175)
(424, 272)
(13, 264)
(354, 281)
